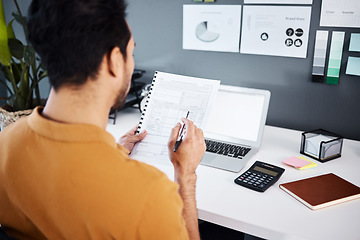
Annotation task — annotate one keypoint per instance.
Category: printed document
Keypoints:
(170, 98)
(344, 13)
(211, 27)
(275, 30)
(278, 1)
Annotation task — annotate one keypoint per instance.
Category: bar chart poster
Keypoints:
(336, 50)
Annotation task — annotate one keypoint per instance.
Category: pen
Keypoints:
(177, 144)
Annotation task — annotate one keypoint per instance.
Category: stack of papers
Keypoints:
(299, 163)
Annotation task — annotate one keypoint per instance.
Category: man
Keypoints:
(62, 175)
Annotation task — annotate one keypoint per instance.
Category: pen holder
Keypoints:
(321, 145)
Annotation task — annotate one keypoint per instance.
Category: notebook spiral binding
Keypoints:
(146, 104)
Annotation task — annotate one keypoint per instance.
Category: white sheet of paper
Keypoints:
(172, 96)
(340, 13)
(211, 27)
(278, 1)
(312, 144)
(275, 30)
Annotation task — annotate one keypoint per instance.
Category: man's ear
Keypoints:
(115, 62)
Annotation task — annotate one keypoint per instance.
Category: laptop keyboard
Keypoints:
(226, 149)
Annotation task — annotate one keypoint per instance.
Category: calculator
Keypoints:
(260, 176)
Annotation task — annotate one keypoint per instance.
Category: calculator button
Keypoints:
(261, 186)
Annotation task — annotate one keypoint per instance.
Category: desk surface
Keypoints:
(272, 214)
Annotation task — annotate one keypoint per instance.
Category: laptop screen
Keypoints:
(237, 115)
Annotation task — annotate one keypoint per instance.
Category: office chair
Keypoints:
(4, 236)
(135, 89)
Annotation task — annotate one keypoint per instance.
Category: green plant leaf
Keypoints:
(10, 30)
(12, 100)
(29, 55)
(42, 74)
(16, 67)
(5, 56)
(5, 72)
(20, 19)
(17, 49)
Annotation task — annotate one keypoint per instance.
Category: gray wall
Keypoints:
(296, 102)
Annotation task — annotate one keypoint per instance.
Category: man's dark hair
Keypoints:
(72, 36)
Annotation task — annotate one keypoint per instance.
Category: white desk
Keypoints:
(273, 214)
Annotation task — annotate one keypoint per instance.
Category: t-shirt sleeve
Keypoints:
(162, 214)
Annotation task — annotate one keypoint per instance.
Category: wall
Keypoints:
(296, 102)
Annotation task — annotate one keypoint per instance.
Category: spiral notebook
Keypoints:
(171, 96)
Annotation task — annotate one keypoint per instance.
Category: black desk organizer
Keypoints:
(328, 149)
(134, 96)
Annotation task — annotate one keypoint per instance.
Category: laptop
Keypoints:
(234, 131)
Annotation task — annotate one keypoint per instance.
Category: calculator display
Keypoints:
(266, 171)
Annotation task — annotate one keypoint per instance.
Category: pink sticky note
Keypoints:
(295, 162)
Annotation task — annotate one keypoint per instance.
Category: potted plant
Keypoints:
(21, 68)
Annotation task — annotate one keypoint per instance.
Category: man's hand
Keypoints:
(191, 150)
(185, 160)
(129, 139)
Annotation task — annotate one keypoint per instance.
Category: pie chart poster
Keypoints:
(275, 30)
(211, 27)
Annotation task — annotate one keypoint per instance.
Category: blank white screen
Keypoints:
(236, 115)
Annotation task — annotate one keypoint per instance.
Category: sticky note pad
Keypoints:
(310, 165)
(295, 162)
(299, 162)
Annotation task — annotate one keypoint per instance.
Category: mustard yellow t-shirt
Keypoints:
(72, 181)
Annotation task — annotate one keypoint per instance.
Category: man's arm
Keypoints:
(185, 161)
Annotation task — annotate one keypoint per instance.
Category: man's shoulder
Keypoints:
(15, 130)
